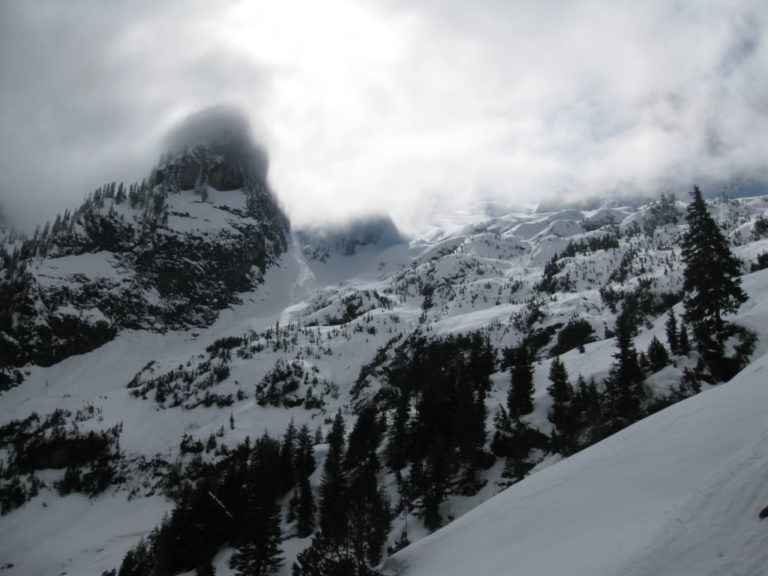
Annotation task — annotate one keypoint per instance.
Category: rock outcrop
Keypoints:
(165, 254)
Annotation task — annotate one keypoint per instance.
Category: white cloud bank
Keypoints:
(393, 106)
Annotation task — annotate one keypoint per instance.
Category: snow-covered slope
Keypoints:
(139, 257)
(677, 493)
(320, 331)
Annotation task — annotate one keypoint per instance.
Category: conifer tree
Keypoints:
(303, 504)
(287, 470)
(258, 550)
(468, 432)
(305, 452)
(305, 508)
(435, 485)
(324, 558)
(560, 388)
(657, 355)
(369, 520)
(502, 435)
(334, 489)
(624, 386)
(585, 407)
(561, 392)
(524, 438)
(671, 329)
(397, 435)
(259, 555)
(520, 394)
(690, 383)
(137, 561)
(642, 361)
(683, 343)
(364, 441)
(711, 279)
(351, 547)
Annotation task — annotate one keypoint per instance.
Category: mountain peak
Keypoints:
(212, 147)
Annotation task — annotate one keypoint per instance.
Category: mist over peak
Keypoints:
(348, 236)
(215, 147)
(215, 125)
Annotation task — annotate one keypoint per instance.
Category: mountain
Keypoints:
(677, 493)
(320, 242)
(214, 148)
(164, 254)
(184, 373)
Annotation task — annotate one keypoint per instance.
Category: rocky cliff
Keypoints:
(164, 254)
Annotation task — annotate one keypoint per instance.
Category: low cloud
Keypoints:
(390, 106)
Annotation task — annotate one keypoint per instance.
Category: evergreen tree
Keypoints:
(468, 429)
(435, 484)
(642, 361)
(657, 355)
(258, 543)
(624, 386)
(324, 558)
(690, 383)
(368, 508)
(364, 441)
(260, 554)
(586, 407)
(513, 440)
(502, 435)
(138, 561)
(711, 279)
(334, 489)
(305, 508)
(369, 517)
(397, 436)
(287, 470)
(305, 452)
(524, 438)
(561, 392)
(560, 388)
(520, 394)
(120, 196)
(354, 536)
(671, 329)
(683, 344)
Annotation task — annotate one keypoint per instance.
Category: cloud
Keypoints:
(88, 93)
(215, 124)
(402, 107)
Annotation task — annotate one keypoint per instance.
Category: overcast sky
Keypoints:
(397, 106)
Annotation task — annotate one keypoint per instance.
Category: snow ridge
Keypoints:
(306, 336)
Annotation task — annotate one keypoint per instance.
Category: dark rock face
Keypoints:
(320, 243)
(224, 166)
(164, 279)
(213, 148)
(163, 273)
(201, 274)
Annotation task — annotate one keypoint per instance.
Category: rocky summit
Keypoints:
(169, 252)
(212, 148)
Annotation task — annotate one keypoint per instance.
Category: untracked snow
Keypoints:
(677, 493)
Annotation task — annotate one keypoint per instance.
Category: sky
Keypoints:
(394, 106)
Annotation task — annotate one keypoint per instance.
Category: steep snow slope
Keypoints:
(677, 493)
(336, 314)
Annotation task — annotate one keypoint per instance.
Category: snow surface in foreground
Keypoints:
(677, 493)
